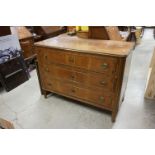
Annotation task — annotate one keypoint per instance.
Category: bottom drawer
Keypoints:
(96, 97)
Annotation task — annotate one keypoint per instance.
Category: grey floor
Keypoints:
(26, 108)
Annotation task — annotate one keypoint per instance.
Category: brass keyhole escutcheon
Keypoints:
(50, 84)
(102, 99)
(47, 70)
(45, 56)
(72, 76)
(71, 59)
(104, 65)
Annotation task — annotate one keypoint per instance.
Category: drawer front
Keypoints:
(58, 72)
(96, 97)
(57, 57)
(48, 56)
(84, 78)
(95, 80)
(101, 64)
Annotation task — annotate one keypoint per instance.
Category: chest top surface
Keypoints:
(92, 46)
(21, 31)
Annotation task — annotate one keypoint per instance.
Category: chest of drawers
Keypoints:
(90, 71)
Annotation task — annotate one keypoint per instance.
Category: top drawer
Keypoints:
(96, 63)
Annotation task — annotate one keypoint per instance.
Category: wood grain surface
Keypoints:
(21, 31)
(73, 43)
(150, 90)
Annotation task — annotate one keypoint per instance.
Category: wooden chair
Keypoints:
(14, 71)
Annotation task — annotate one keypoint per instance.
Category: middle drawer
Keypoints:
(87, 79)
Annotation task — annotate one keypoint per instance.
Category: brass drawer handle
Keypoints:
(25, 42)
(101, 99)
(45, 56)
(102, 83)
(73, 90)
(104, 65)
(49, 84)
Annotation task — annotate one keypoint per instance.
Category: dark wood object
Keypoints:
(132, 37)
(123, 28)
(98, 32)
(5, 30)
(13, 73)
(90, 71)
(44, 32)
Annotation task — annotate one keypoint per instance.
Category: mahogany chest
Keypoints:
(87, 70)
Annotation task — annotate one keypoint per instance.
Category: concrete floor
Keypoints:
(26, 108)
